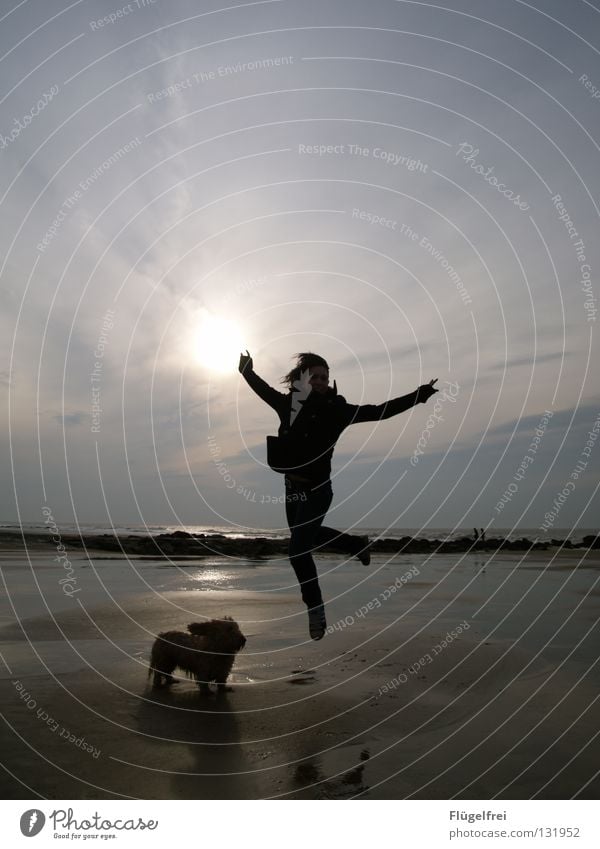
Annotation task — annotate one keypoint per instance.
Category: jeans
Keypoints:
(305, 510)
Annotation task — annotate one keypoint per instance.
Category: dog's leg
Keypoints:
(162, 678)
(223, 675)
(204, 688)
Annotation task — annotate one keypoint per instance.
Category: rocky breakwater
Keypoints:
(416, 545)
(181, 545)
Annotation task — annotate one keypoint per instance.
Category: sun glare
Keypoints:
(218, 343)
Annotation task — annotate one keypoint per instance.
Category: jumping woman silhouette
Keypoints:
(312, 416)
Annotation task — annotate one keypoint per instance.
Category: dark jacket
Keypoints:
(321, 420)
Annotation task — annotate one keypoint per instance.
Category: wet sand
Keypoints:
(374, 710)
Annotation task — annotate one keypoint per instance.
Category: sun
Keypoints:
(218, 343)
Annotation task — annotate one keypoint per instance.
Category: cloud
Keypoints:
(71, 419)
(529, 360)
(560, 419)
(374, 359)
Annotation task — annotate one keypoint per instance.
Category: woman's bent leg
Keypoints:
(348, 543)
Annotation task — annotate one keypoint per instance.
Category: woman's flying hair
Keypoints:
(303, 361)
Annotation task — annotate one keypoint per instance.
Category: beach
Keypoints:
(470, 675)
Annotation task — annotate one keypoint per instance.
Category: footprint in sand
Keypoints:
(302, 676)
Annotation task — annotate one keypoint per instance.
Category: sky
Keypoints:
(409, 189)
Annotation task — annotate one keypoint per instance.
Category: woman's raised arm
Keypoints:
(270, 396)
(377, 412)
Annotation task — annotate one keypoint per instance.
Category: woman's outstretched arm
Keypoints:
(376, 412)
(271, 396)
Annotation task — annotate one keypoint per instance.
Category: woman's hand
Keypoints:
(245, 362)
(425, 392)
